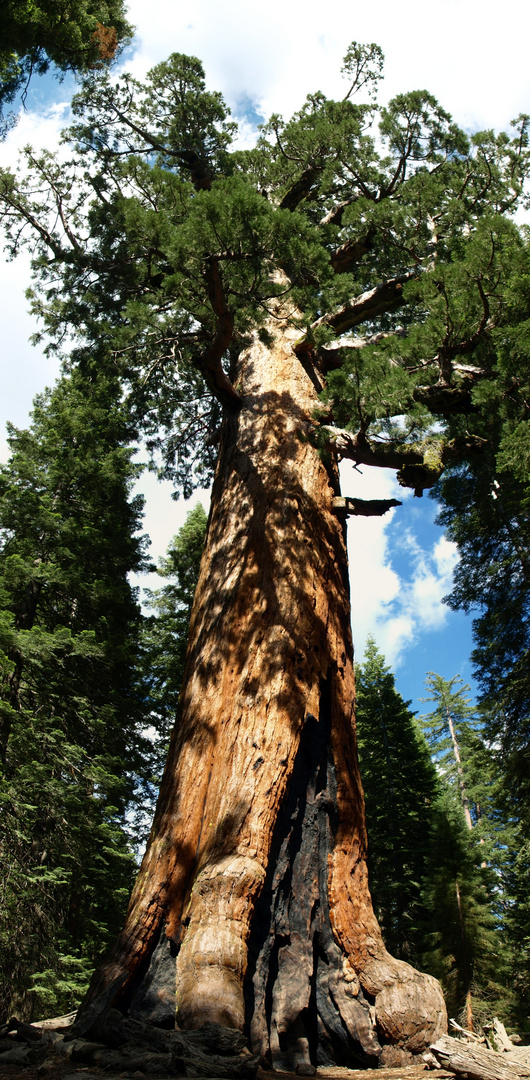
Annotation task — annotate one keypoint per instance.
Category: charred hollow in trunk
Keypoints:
(254, 884)
(304, 1000)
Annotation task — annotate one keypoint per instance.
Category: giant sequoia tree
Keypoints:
(337, 290)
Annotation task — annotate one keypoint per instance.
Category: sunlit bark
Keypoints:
(254, 884)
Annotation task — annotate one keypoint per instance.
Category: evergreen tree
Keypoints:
(485, 509)
(438, 891)
(451, 730)
(72, 36)
(400, 789)
(70, 708)
(232, 286)
(466, 885)
(516, 918)
(464, 944)
(486, 512)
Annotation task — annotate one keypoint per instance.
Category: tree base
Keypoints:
(304, 1003)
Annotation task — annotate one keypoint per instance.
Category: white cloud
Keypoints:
(445, 555)
(164, 518)
(40, 130)
(396, 609)
(373, 582)
(25, 370)
(275, 53)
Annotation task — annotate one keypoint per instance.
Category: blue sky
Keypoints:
(265, 58)
(401, 567)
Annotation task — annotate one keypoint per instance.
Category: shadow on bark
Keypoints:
(254, 881)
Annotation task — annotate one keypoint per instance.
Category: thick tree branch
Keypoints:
(300, 189)
(446, 400)
(331, 359)
(209, 362)
(383, 297)
(363, 507)
(418, 465)
(346, 256)
(334, 216)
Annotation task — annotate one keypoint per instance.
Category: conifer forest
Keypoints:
(210, 814)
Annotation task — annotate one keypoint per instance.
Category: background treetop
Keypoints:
(68, 36)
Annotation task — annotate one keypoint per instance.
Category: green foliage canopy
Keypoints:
(73, 36)
(73, 761)
(161, 247)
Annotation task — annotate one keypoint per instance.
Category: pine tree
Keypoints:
(70, 708)
(464, 944)
(400, 788)
(465, 888)
(228, 289)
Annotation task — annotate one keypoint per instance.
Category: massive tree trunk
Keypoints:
(254, 884)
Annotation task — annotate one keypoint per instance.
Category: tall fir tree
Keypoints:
(463, 940)
(466, 884)
(70, 708)
(400, 788)
(452, 731)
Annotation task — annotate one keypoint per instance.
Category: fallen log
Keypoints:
(109, 1041)
(55, 1023)
(477, 1062)
(498, 1039)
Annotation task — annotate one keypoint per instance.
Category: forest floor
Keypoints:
(59, 1069)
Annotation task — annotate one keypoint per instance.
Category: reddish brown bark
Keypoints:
(255, 874)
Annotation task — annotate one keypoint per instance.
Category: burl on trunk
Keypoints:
(254, 883)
